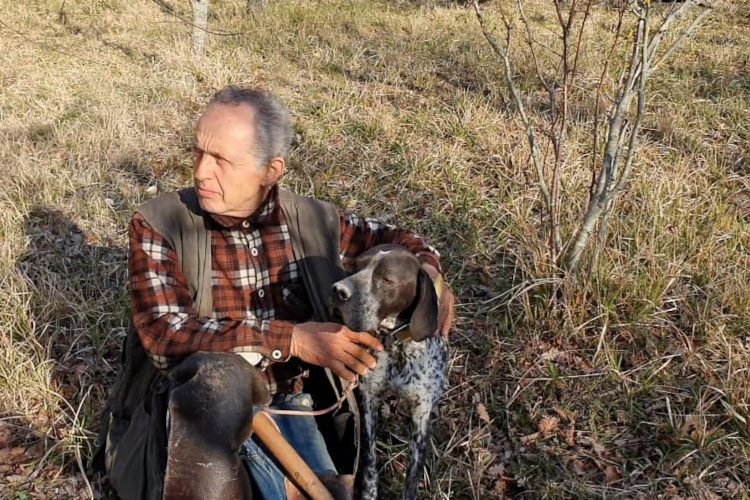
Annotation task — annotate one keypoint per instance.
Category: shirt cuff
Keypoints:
(279, 345)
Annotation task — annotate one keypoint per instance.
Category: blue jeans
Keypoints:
(302, 434)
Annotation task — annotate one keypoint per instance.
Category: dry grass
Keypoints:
(637, 386)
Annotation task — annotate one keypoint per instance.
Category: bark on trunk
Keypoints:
(253, 5)
(200, 24)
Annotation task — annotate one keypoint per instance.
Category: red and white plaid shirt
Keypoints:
(258, 294)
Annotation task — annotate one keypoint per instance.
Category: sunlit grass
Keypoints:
(400, 113)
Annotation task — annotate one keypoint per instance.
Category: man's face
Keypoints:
(228, 177)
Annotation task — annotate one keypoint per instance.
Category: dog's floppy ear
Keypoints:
(184, 372)
(261, 396)
(424, 319)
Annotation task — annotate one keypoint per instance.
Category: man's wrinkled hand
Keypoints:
(447, 305)
(336, 347)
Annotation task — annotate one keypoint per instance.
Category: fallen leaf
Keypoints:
(529, 438)
(4, 436)
(566, 414)
(600, 450)
(11, 455)
(570, 434)
(497, 470)
(549, 425)
(611, 475)
(580, 467)
(482, 411)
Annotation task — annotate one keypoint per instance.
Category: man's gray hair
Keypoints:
(273, 123)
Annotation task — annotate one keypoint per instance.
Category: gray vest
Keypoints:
(132, 443)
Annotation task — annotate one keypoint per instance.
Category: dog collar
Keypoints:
(402, 333)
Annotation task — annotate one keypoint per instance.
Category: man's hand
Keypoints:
(336, 347)
(446, 307)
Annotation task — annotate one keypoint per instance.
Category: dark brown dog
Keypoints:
(210, 411)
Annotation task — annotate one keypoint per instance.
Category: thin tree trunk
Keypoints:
(200, 25)
(254, 5)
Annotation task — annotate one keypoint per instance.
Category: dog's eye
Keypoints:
(387, 281)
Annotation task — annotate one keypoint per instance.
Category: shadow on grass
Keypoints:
(79, 306)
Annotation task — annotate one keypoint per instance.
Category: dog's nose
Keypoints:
(342, 292)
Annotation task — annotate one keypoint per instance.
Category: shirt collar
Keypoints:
(266, 214)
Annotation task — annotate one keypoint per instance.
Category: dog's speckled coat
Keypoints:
(389, 286)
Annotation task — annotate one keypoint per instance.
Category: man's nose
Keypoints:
(342, 292)
(203, 166)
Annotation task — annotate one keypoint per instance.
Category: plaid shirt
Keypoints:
(258, 294)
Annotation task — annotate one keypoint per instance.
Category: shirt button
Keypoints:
(254, 252)
(261, 293)
(245, 224)
(276, 354)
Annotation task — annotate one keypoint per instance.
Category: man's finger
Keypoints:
(353, 364)
(340, 369)
(365, 339)
(446, 327)
(446, 314)
(362, 355)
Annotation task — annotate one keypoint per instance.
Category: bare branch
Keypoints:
(611, 167)
(599, 93)
(519, 103)
(530, 41)
(579, 43)
(685, 34)
(641, 111)
(674, 15)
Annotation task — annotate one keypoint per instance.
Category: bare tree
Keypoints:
(641, 28)
(200, 26)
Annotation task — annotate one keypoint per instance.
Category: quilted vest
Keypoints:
(132, 441)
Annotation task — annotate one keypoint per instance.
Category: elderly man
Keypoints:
(238, 264)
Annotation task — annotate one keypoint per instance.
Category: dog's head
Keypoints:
(217, 390)
(387, 286)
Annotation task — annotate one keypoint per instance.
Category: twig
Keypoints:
(519, 103)
(599, 92)
(77, 448)
(665, 57)
(195, 26)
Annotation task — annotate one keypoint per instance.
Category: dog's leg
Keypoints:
(370, 473)
(420, 438)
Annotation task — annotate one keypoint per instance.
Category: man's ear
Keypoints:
(274, 170)
(424, 319)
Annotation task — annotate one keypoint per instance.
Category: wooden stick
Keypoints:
(296, 468)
